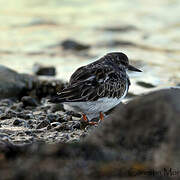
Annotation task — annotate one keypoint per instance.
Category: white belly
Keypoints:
(93, 108)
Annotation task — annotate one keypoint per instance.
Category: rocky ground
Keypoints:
(26, 116)
(133, 143)
(43, 140)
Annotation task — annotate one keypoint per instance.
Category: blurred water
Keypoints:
(28, 28)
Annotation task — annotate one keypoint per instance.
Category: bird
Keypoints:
(96, 88)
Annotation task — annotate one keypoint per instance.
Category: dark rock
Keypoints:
(6, 102)
(17, 122)
(4, 116)
(13, 84)
(73, 45)
(57, 107)
(17, 107)
(52, 117)
(121, 28)
(145, 84)
(139, 137)
(29, 101)
(48, 87)
(77, 125)
(39, 69)
(75, 114)
(145, 130)
(24, 116)
(62, 127)
(43, 124)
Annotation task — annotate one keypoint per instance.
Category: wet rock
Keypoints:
(120, 28)
(52, 117)
(6, 102)
(48, 87)
(17, 122)
(57, 107)
(72, 113)
(145, 84)
(63, 127)
(29, 101)
(13, 84)
(73, 45)
(25, 116)
(43, 124)
(145, 130)
(17, 106)
(39, 69)
(4, 116)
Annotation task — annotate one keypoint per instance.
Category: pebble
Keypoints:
(145, 84)
(73, 45)
(52, 117)
(44, 70)
(72, 113)
(17, 122)
(42, 124)
(57, 107)
(29, 101)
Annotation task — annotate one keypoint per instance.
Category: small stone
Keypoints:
(57, 107)
(73, 45)
(24, 116)
(52, 117)
(42, 124)
(17, 122)
(118, 29)
(62, 127)
(49, 127)
(67, 117)
(4, 116)
(28, 132)
(54, 124)
(145, 84)
(72, 113)
(6, 102)
(44, 70)
(77, 125)
(29, 101)
(17, 107)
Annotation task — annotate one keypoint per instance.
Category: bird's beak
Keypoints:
(132, 68)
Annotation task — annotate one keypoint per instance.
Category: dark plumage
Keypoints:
(104, 78)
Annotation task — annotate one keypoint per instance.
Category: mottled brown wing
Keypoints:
(90, 84)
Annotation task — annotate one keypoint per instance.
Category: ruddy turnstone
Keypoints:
(97, 87)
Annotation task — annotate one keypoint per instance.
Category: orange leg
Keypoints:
(101, 116)
(85, 118)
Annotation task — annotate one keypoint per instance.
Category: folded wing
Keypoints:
(90, 84)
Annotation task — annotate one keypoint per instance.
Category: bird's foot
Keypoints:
(101, 116)
(85, 119)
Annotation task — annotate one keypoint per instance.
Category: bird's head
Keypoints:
(121, 60)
